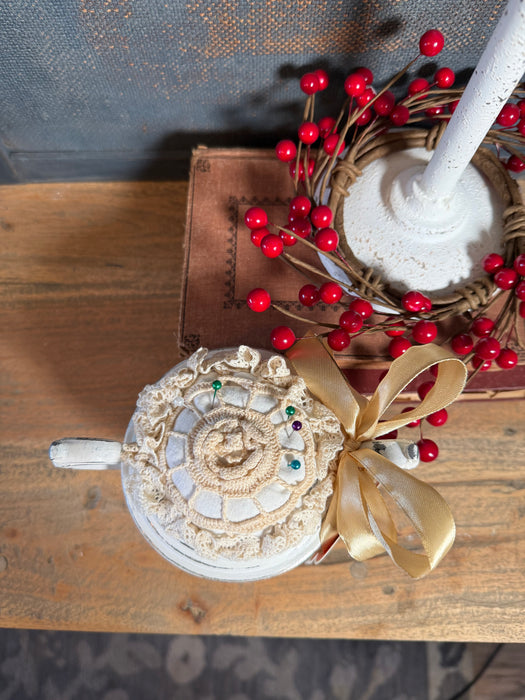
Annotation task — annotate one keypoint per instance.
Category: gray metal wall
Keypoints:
(124, 88)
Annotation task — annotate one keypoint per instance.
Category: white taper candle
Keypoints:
(499, 70)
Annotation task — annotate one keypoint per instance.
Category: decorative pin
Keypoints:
(297, 425)
(294, 464)
(290, 411)
(216, 385)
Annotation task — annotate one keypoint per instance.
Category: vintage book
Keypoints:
(222, 266)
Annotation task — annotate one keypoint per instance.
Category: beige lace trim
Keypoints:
(229, 490)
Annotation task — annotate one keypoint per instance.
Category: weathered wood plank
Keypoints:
(90, 279)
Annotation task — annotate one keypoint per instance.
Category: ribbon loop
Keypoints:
(358, 512)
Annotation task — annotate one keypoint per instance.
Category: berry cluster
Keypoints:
(364, 106)
(482, 341)
(368, 113)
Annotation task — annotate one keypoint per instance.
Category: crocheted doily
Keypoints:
(213, 468)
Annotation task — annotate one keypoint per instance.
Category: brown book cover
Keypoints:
(222, 266)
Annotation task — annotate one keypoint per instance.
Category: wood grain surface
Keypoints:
(90, 281)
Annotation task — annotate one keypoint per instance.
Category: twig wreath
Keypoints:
(371, 125)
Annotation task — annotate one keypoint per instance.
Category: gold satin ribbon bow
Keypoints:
(358, 512)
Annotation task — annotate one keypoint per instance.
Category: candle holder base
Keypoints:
(395, 237)
(413, 240)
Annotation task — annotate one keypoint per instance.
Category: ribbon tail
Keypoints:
(426, 509)
(348, 515)
(359, 514)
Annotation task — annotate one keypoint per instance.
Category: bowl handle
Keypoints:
(85, 453)
(403, 453)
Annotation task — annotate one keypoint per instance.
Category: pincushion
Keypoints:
(232, 457)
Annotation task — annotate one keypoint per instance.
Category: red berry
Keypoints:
(507, 359)
(509, 115)
(321, 216)
(384, 104)
(301, 227)
(287, 238)
(435, 111)
(322, 77)
(431, 42)
(258, 299)
(257, 234)
(330, 144)
(255, 217)
(326, 126)
(326, 239)
(424, 388)
(355, 84)
(351, 321)
(418, 85)
(309, 295)
(482, 326)
(286, 150)
(414, 423)
(301, 176)
(452, 106)
(521, 127)
(308, 132)
(363, 307)
(479, 362)
(330, 292)
(364, 118)
(396, 329)
(521, 105)
(521, 309)
(367, 74)
(492, 262)
(309, 83)
(282, 337)
(506, 278)
(519, 290)
(515, 164)
(438, 418)
(434, 370)
(519, 264)
(462, 344)
(413, 301)
(338, 339)
(428, 450)
(272, 246)
(424, 332)
(300, 170)
(365, 98)
(399, 115)
(398, 346)
(444, 78)
(427, 304)
(300, 206)
(487, 348)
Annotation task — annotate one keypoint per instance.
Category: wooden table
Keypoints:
(90, 277)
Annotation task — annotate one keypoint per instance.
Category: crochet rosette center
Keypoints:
(233, 450)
